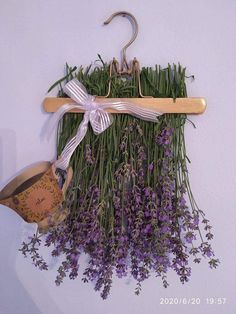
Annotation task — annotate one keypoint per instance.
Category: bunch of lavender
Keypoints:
(131, 207)
(140, 225)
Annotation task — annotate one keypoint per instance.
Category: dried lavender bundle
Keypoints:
(131, 207)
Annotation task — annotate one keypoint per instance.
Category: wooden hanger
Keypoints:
(188, 105)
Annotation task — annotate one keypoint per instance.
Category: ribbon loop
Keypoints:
(77, 91)
(95, 114)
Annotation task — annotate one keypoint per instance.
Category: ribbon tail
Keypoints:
(56, 117)
(64, 159)
(143, 114)
(134, 110)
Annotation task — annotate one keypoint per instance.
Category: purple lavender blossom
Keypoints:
(135, 221)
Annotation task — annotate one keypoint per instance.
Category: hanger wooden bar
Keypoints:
(164, 105)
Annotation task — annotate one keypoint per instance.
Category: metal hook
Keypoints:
(135, 25)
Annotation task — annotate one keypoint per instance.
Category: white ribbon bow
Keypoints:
(95, 113)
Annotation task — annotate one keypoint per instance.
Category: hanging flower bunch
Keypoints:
(132, 211)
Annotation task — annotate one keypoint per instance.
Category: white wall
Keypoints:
(36, 39)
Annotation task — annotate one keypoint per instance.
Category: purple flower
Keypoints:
(190, 236)
(151, 166)
(164, 137)
(88, 155)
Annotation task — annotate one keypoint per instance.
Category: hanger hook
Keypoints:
(135, 26)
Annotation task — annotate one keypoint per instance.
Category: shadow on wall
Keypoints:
(15, 296)
(7, 153)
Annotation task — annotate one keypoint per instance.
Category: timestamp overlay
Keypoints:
(193, 301)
